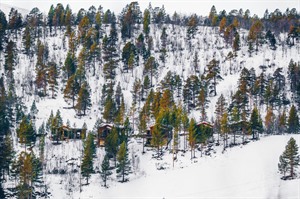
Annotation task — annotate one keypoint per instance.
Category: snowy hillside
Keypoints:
(148, 105)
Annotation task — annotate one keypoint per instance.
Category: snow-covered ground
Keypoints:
(245, 171)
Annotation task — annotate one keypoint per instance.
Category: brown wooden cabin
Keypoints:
(72, 133)
(103, 131)
(67, 133)
(166, 132)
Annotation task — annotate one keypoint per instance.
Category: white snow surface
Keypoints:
(245, 171)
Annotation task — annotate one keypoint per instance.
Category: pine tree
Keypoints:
(10, 59)
(289, 160)
(3, 28)
(269, 121)
(185, 127)
(70, 65)
(224, 124)
(293, 121)
(202, 104)
(255, 123)
(26, 132)
(72, 89)
(213, 75)
(33, 110)
(157, 140)
(192, 137)
(84, 99)
(105, 169)
(88, 154)
(111, 143)
(282, 123)
(146, 22)
(221, 107)
(191, 29)
(123, 166)
(27, 40)
(163, 48)
(52, 78)
(150, 67)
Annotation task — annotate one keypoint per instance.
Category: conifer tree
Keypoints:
(84, 99)
(3, 28)
(269, 121)
(255, 123)
(282, 123)
(88, 154)
(289, 160)
(185, 127)
(224, 124)
(27, 40)
(163, 48)
(52, 78)
(293, 121)
(70, 65)
(202, 104)
(10, 59)
(105, 169)
(123, 166)
(213, 76)
(71, 90)
(112, 143)
(157, 140)
(192, 137)
(150, 67)
(146, 22)
(26, 132)
(33, 109)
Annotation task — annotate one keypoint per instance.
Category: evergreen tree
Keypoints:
(26, 132)
(293, 121)
(192, 29)
(157, 140)
(123, 166)
(289, 160)
(224, 125)
(27, 40)
(109, 109)
(146, 22)
(84, 99)
(3, 28)
(192, 137)
(33, 110)
(255, 123)
(203, 104)
(150, 67)
(111, 143)
(163, 48)
(29, 171)
(52, 78)
(71, 90)
(269, 121)
(70, 65)
(220, 110)
(213, 76)
(105, 169)
(10, 59)
(282, 123)
(88, 154)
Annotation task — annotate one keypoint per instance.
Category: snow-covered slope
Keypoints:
(246, 171)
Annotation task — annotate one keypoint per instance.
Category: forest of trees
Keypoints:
(91, 39)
